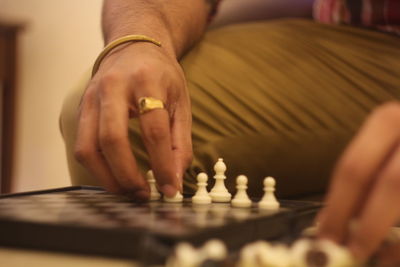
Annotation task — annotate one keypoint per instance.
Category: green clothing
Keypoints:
(274, 98)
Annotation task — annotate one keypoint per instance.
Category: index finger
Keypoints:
(356, 171)
(156, 135)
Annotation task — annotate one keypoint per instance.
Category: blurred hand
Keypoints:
(102, 146)
(366, 185)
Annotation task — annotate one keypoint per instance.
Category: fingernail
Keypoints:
(168, 190)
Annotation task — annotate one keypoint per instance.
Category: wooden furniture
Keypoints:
(8, 93)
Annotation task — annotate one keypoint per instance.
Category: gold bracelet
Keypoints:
(118, 42)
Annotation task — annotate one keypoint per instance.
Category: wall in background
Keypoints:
(61, 41)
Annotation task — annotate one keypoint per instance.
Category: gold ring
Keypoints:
(149, 103)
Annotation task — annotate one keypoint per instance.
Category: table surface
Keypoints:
(22, 258)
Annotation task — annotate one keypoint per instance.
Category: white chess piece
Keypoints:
(277, 255)
(299, 251)
(336, 255)
(269, 201)
(214, 249)
(175, 199)
(184, 255)
(219, 193)
(241, 199)
(247, 256)
(262, 253)
(154, 194)
(201, 196)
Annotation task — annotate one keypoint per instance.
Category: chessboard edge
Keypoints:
(54, 190)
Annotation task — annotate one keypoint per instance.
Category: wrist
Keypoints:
(120, 42)
(161, 36)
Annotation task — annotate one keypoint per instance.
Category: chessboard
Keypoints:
(89, 220)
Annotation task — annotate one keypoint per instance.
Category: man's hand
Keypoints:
(136, 70)
(130, 72)
(366, 185)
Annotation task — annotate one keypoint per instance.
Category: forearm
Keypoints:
(176, 24)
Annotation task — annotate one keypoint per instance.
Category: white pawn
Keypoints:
(214, 249)
(219, 193)
(277, 255)
(185, 255)
(241, 199)
(154, 194)
(247, 256)
(269, 201)
(201, 196)
(175, 199)
(303, 249)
